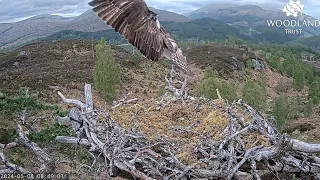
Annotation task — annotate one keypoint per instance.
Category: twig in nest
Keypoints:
(125, 102)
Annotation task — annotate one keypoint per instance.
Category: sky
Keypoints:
(17, 10)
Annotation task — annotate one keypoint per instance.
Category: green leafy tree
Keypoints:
(106, 71)
(281, 110)
(295, 108)
(211, 82)
(210, 73)
(308, 108)
(249, 64)
(228, 91)
(289, 70)
(298, 79)
(24, 101)
(275, 63)
(208, 88)
(314, 90)
(255, 94)
(309, 72)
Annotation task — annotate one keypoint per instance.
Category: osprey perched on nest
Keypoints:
(141, 27)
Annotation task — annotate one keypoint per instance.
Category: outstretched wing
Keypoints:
(134, 20)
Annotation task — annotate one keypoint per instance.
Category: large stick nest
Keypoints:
(207, 139)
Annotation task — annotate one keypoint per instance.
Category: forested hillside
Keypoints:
(205, 29)
(313, 42)
(110, 35)
(251, 17)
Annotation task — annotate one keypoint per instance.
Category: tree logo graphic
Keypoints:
(293, 8)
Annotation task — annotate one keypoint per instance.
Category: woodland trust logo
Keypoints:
(293, 8)
(294, 26)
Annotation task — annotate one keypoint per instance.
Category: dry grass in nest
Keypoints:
(180, 124)
(168, 122)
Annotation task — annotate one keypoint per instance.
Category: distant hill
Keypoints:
(86, 22)
(205, 29)
(109, 35)
(202, 29)
(218, 22)
(248, 16)
(29, 29)
(211, 29)
(170, 16)
(13, 34)
(249, 13)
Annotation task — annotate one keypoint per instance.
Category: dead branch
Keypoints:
(218, 94)
(47, 163)
(43, 157)
(72, 101)
(125, 102)
(9, 167)
(179, 93)
(304, 147)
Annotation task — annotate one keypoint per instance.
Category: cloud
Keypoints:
(14, 10)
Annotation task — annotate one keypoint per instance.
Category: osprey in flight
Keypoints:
(137, 23)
